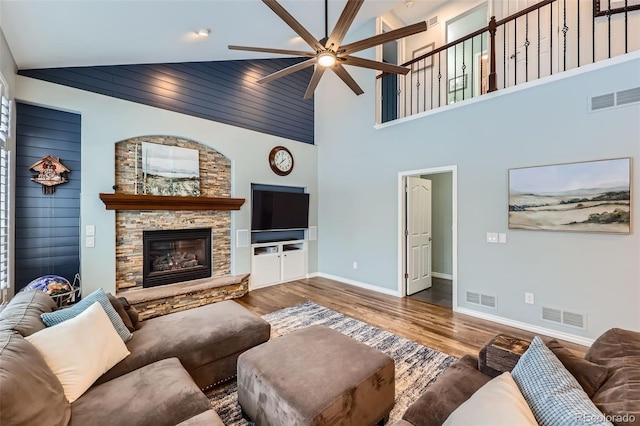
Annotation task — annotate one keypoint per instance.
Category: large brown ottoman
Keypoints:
(315, 376)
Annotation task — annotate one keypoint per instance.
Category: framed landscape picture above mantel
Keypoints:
(592, 196)
(170, 170)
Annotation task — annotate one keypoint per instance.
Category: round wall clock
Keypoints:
(281, 160)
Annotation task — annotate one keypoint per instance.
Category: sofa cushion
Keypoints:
(62, 315)
(590, 375)
(554, 395)
(497, 403)
(619, 396)
(198, 337)
(80, 350)
(158, 394)
(30, 394)
(450, 389)
(208, 418)
(122, 313)
(22, 314)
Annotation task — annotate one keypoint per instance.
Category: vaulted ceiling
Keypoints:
(46, 34)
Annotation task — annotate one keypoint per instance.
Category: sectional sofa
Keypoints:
(159, 382)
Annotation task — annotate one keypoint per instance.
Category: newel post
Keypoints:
(492, 55)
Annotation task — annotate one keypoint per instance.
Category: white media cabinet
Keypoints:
(278, 262)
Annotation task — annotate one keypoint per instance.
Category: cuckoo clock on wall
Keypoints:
(50, 172)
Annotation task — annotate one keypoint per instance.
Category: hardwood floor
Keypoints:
(440, 293)
(430, 325)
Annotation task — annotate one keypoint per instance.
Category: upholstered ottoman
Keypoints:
(315, 376)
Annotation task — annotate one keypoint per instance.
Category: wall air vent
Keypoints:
(625, 97)
(482, 300)
(612, 100)
(603, 101)
(432, 21)
(559, 316)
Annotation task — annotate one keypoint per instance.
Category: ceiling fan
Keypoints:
(329, 52)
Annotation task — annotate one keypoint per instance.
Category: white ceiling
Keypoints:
(53, 33)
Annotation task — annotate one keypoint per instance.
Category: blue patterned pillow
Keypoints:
(61, 315)
(553, 394)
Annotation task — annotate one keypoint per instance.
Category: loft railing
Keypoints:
(547, 38)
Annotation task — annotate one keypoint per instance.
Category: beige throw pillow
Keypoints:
(80, 350)
(498, 403)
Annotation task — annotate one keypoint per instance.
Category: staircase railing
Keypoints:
(547, 38)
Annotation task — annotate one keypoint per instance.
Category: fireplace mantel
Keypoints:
(160, 202)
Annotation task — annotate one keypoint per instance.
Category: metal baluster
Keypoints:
(626, 26)
(515, 51)
(564, 35)
(526, 47)
(504, 56)
(431, 85)
(424, 89)
(418, 88)
(609, 25)
(464, 67)
(551, 39)
(593, 36)
(455, 73)
(481, 60)
(473, 77)
(439, 80)
(538, 42)
(578, 24)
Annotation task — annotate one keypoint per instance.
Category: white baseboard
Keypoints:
(442, 276)
(360, 284)
(312, 275)
(584, 341)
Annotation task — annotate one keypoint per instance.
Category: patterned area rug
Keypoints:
(416, 366)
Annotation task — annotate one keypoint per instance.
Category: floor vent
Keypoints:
(612, 100)
(482, 300)
(559, 316)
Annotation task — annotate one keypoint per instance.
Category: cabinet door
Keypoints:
(265, 270)
(294, 264)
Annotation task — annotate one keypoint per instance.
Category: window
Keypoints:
(5, 118)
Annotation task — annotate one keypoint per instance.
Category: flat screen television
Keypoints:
(279, 210)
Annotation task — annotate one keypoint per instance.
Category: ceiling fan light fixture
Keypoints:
(326, 59)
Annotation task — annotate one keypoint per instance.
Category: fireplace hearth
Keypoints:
(172, 256)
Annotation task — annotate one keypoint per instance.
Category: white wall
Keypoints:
(595, 274)
(106, 121)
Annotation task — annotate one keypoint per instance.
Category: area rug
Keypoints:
(416, 366)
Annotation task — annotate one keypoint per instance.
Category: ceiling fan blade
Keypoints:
(374, 65)
(382, 38)
(344, 22)
(294, 24)
(286, 71)
(346, 77)
(268, 50)
(313, 83)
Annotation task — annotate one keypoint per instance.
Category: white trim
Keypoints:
(453, 169)
(584, 341)
(442, 276)
(360, 284)
(313, 275)
(513, 89)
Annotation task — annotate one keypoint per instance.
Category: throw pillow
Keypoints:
(590, 376)
(554, 395)
(80, 350)
(497, 403)
(56, 317)
(122, 313)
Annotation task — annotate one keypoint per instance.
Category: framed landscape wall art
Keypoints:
(593, 196)
(170, 170)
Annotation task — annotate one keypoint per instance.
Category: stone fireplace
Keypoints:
(175, 256)
(133, 272)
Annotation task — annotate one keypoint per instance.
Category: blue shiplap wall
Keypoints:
(223, 91)
(47, 227)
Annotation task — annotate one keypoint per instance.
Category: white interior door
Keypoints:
(418, 234)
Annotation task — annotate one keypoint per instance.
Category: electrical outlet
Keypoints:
(355, 265)
(528, 298)
(90, 242)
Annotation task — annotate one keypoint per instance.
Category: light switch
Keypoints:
(502, 238)
(90, 242)
(492, 237)
(90, 230)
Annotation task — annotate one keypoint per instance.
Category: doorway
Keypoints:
(443, 233)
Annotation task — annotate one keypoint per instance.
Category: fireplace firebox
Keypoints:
(173, 256)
